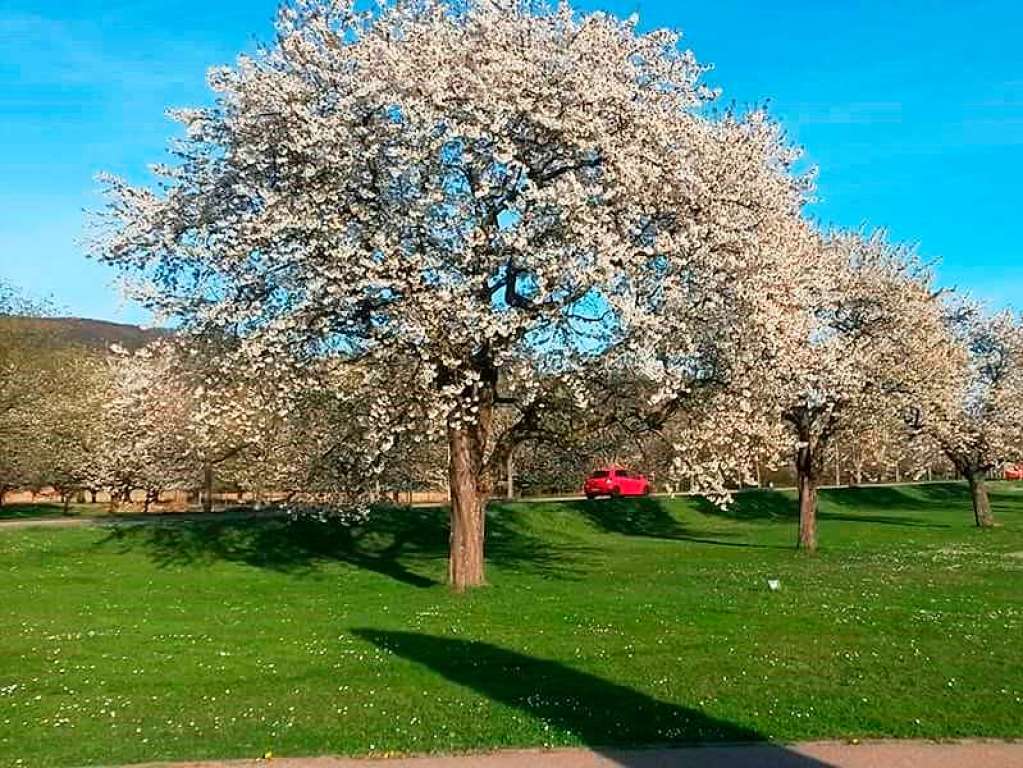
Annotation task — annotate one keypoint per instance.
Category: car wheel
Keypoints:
(616, 492)
(591, 496)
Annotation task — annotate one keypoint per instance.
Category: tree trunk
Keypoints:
(981, 502)
(207, 488)
(807, 498)
(468, 502)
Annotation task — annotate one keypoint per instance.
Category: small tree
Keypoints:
(977, 422)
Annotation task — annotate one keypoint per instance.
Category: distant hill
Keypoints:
(80, 331)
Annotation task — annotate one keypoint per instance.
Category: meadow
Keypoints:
(632, 622)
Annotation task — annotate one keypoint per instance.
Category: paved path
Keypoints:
(820, 754)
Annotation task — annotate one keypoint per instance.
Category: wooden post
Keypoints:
(448, 464)
(207, 491)
(510, 468)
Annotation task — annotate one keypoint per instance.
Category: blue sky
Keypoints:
(913, 112)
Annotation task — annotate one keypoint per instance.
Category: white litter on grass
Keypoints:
(774, 584)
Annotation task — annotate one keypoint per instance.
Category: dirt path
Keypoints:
(821, 754)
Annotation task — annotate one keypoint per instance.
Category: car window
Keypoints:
(599, 473)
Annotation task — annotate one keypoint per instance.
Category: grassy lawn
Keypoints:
(605, 623)
(43, 509)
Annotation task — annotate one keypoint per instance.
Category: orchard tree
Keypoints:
(141, 431)
(977, 423)
(29, 376)
(864, 345)
(223, 412)
(475, 203)
(876, 445)
(69, 426)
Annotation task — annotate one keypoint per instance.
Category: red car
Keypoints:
(615, 482)
(1014, 472)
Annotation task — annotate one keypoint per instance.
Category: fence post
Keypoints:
(510, 469)
(447, 470)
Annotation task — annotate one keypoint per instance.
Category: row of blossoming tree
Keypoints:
(494, 222)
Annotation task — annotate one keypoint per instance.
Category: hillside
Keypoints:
(80, 331)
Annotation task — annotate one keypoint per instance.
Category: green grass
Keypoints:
(43, 509)
(606, 623)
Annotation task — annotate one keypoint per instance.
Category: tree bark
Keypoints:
(806, 474)
(468, 502)
(981, 502)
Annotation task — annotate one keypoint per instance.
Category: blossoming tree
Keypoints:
(469, 201)
(138, 440)
(863, 349)
(30, 374)
(977, 424)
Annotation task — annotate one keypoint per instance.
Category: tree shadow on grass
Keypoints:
(762, 505)
(388, 543)
(648, 517)
(28, 511)
(599, 713)
(882, 499)
(957, 495)
(751, 506)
